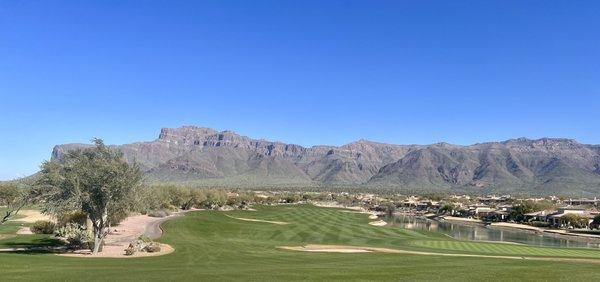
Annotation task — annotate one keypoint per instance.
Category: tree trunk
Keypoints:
(97, 242)
(99, 231)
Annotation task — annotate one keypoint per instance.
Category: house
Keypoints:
(460, 197)
(428, 205)
(410, 202)
(501, 213)
(582, 202)
(538, 215)
(505, 208)
(480, 210)
(554, 218)
(498, 215)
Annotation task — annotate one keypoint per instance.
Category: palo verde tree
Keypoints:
(13, 198)
(94, 180)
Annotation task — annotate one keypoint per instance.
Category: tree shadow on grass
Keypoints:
(25, 245)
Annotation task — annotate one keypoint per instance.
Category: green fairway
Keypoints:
(212, 245)
(506, 249)
(9, 227)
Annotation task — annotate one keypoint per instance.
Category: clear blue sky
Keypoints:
(305, 72)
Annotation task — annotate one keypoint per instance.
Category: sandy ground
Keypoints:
(258, 220)
(31, 216)
(24, 231)
(515, 225)
(378, 223)
(328, 249)
(454, 218)
(373, 216)
(357, 249)
(129, 230)
(567, 233)
(357, 212)
(336, 205)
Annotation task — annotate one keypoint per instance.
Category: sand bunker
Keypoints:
(378, 223)
(24, 231)
(258, 220)
(31, 216)
(328, 249)
(373, 216)
(358, 249)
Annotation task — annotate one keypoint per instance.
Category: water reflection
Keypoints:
(481, 233)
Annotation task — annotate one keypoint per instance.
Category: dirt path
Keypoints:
(357, 249)
(127, 231)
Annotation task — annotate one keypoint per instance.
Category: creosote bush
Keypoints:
(78, 217)
(43, 227)
(76, 235)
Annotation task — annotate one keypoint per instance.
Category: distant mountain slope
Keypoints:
(204, 156)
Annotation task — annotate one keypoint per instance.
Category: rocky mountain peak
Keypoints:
(205, 156)
(185, 134)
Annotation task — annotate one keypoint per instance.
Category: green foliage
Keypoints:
(215, 198)
(13, 198)
(97, 181)
(43, 227)
(152, 247)
(447, 208)
(130, 251)
(172, 197)
(145, 239)
(76, 235)
(573, 220)
(540, 224)
(159, 213)
(596, 221)
(78, 217)
(519, 210)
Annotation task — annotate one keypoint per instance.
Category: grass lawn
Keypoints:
(9, 227)
(212, 246)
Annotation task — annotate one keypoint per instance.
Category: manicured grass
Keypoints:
(9, 227)
(34, 240)
(211, 246)
(506, 249)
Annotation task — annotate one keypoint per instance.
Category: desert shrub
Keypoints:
(76, 235)
(78, 217)
(130, 250)
(540, 224)
(152, 247)
(573, 220)
(43, 227)
(145, 239)
(142, 244)
(159, 213)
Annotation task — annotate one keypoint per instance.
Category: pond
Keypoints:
(474, 232)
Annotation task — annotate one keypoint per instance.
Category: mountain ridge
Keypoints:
(207, 157)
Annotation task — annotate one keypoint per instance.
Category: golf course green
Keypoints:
(246, 245)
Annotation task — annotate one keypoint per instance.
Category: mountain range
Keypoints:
(207, 157)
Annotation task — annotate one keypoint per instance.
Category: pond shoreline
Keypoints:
(582, 240)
